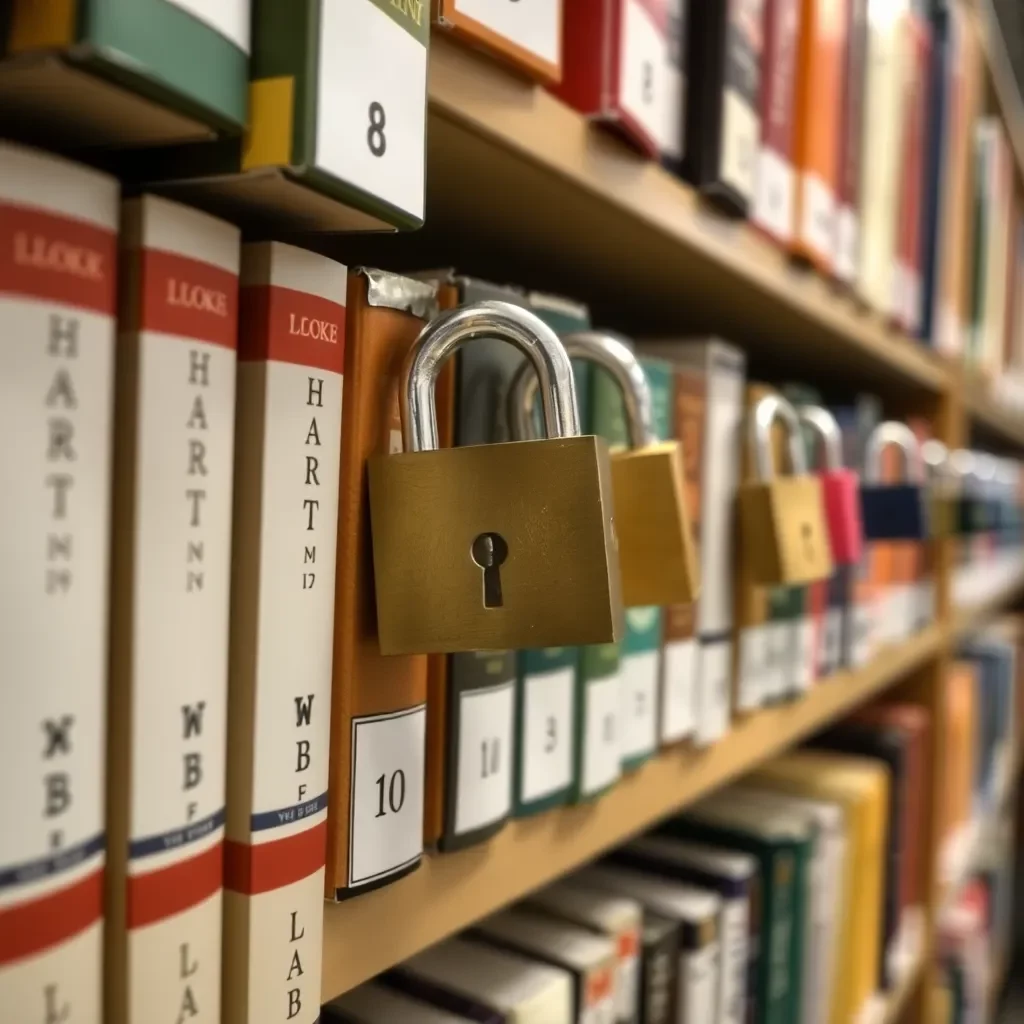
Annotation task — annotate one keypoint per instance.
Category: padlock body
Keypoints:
(893, 512)
(785, 537)
(550, 501)
(656, 549)
(840, 489)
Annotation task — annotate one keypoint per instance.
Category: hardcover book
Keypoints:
(174, 462)
(291, 352)
(58, 281)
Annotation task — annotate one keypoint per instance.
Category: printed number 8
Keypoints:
(375, 133)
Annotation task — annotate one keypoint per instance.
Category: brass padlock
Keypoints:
(490, 547)
(782, 518)
(943, 494)
(656, 549)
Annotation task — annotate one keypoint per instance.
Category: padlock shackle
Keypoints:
(765, 413)
(824, 425)
(440, 338)
(899, 435)
(613, 355)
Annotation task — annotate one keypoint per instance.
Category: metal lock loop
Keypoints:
(824, 425)
(490, 319)
(900, 436)
(766, 412)
(608, 351)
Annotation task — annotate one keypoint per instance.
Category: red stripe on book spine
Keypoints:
(56, 258)
(291, 327)
(188, 297)
(168, 891)
(30, 928)
(267, 866)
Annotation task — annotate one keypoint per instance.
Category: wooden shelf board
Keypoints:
(966, 620)
(533, 181)
(372, 932)
(992, 415)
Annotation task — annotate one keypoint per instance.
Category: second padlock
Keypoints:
(656, 549)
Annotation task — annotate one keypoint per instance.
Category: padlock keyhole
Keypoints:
(807, 531)
(489, 551)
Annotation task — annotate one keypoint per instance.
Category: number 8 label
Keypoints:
(371, 98)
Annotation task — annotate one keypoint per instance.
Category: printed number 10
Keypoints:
(396, 793)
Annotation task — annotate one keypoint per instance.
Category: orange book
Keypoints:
(378, 704)
(957, 761)
(819, 96)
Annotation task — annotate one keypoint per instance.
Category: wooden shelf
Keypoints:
(991, 414)
(527, 177)
(967, 619)
(372, 932)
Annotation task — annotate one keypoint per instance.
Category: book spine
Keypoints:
(848, 214)
(678, 696)
(58, 266)
(719, 481)
(775, 191)
(785, 926)
(639, 652)
(823, 45)
(659, 978)
(173, 497)
(288, 434)
(698, 980)
(598, 740)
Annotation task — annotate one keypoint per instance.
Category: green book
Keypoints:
(548, 680)
(640, 650)
(783, 845)
(148, 72)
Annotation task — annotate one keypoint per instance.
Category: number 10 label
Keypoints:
(371, 93)
(386, 818)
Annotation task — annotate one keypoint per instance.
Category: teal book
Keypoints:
(783, 846)
(549, 680)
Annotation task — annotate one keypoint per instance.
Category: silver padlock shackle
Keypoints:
(824, 425)
(440, 338)
(765, 413)
(613, 355)
(899, 435)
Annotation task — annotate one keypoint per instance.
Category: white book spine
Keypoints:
(734, 928)
(698, 985)
(58, 268)
(288, 431)
(173, 496)
(725, 379)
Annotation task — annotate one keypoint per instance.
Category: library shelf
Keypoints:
(369, 933)
(1001, 77)
(516, 168)
(991, 413)
(1005, 585)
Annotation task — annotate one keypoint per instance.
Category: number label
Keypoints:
(601, 755)
(639, 709)
(386, 808)
(483, 776)
(548, 713)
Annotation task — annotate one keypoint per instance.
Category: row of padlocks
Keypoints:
(542, 541)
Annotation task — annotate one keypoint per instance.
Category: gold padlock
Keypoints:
(943, 492)
(782, 518)
(497, 546)
(656, 549)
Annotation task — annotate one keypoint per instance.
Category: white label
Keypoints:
(678, 690)
(295, 641)
(371, 103)
(753, 667)
(639, 717)
(483, 780)
(228, 17)
(735, 940)
(773, 194)
(698, 985)
(780, 659)
(56, 372)
(847, 244)
(714, 672)
(534, 25)
(740, 133)
(602, 759)
(386, 816)
(818, 223)
(548, 730)
(183, 495)
(863, 643)
(806, 637)
(644, 85)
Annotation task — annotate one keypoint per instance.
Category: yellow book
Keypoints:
(861, 787)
